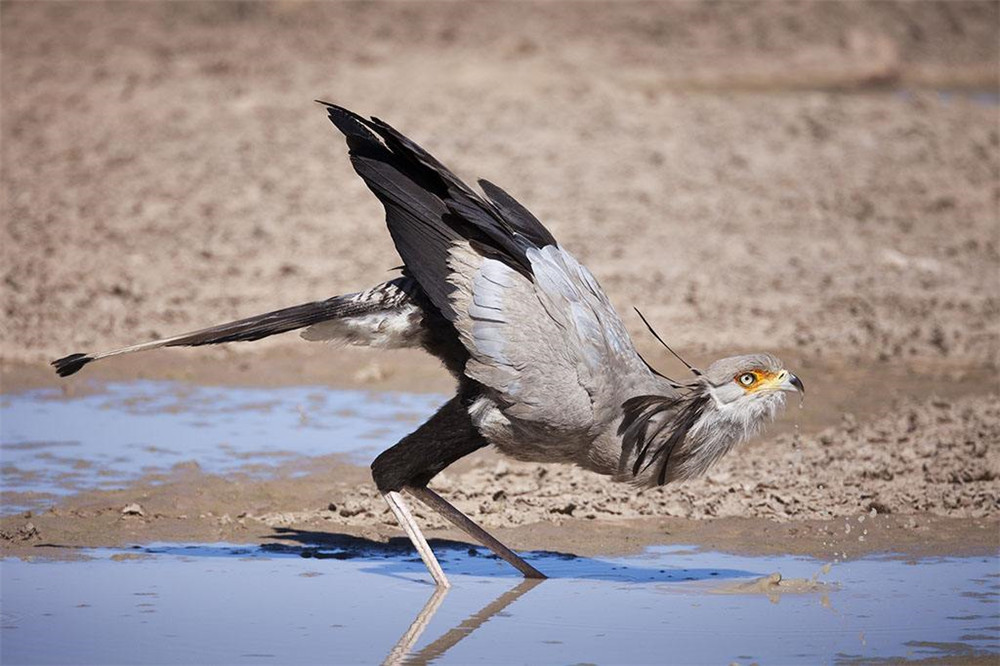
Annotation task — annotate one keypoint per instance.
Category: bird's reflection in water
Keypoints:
(402, 651)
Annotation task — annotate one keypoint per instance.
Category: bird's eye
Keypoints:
(747, 379)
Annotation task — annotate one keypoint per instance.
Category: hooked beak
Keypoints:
(792, 383)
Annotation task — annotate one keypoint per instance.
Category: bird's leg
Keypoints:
(409, 525)
(416, 459)
(464, 523)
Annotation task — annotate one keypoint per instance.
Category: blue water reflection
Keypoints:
(363, 603)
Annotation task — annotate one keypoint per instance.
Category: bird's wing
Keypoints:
(538, 327)
(551, 344)
(429, 209)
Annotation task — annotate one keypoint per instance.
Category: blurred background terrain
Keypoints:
(814, 177)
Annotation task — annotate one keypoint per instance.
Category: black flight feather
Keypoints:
(517, 216)
(428, 207)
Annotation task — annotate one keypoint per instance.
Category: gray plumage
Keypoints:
(546, 370)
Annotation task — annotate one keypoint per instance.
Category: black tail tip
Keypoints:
(68, 365)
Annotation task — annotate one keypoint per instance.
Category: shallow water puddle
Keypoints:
(362, 602)
(53, 445)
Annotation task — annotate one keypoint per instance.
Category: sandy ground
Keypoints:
(822, 180)
(164, 167)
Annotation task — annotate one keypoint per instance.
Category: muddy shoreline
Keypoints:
(205, 509)
(915, 475)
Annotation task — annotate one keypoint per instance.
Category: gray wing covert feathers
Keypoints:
(539, 330)
(552, 346)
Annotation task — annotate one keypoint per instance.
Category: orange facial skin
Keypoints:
(763, 380)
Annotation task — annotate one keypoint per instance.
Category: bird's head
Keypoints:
(752, 382)
(740, 395)
(680, 436)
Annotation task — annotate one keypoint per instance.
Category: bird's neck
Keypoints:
(681, 437)
(724, 426)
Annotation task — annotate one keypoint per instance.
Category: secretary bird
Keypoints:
(545, 369)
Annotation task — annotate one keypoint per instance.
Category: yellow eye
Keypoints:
(747, 379)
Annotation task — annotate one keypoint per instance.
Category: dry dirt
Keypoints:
(821, 179)
(778, 177)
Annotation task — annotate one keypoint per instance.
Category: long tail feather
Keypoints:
(382, 298)
(251, 328)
